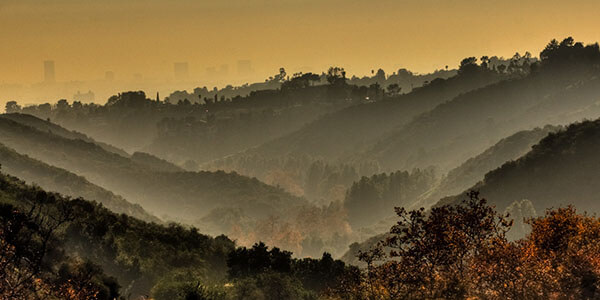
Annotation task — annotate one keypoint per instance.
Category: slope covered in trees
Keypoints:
(335, 134)
(217, 202)
(462, 252)
(220, 129)
(60, 248)
(183, 194)
(155, 163)
(560, 89)
(471, 171)
(210, 127)
(288, 161)
(47, 125)
(62, 181)
(560, 170)
(136, 253)
(372, 199)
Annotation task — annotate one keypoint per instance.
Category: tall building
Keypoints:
(84, 97)
(211, 72)
(181, 70)
(244, 67)
(109, 76)
(224, 70)
(49, 73)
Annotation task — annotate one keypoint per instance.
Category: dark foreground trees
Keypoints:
(461, 252)
(32, 260)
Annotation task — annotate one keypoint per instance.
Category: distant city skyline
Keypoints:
(49, 71)
(126, 42)
(86, 38)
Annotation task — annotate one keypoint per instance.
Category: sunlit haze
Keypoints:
(138, 41)
(299, 149)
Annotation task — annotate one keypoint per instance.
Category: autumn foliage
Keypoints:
(461, 252)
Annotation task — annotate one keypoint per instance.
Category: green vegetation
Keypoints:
(136, 253)
(190, 194)
(558, 91)
(217, 202)
(461, 252)
(325, 161)
(372, 199)
(59, 180)
(559, 170)
(471, 171)
(48, 126)
(43, 232)
(209, 124)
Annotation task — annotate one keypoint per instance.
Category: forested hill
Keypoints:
(338, 133)
(211, 127)
(47, 125)
(472, 170)
(186, 195)
(75, 249)
(311, 161)
(62, 181)
(562, 169)
(136, 253)
(217, 202)
(560, 89)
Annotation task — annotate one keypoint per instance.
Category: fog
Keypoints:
(303, 150)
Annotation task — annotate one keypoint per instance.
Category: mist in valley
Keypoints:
(381, 172)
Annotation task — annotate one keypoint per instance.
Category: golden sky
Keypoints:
(86, 38)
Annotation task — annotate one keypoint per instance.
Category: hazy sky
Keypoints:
(86, 38)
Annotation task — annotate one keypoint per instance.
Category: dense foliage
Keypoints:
(62, 181)
(373, 198)
(217, 202)
(32, 260)
(472, 170)
(553, 91)
(48, 243)
(134, 252)
(461, 252)
(327, 142)
(47, 126)
(319, 144)
(559, 170)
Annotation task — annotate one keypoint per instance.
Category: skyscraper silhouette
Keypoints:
(181, 70)
(49, 73)
(244, 67)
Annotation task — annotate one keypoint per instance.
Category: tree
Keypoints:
(429, 255)
(380, 76)
(394, 89)
(247, 262)
(468, 65)
(485, 60)
(62, 104)
(30, 252)
(461, 252)
(12, 107)
(336, 76)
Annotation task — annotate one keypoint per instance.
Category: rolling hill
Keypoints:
(59, 180)
(558, 91)
(338, 134)
(135, 253)
(472, 170)
(47, 125)
(186, 195)
(562, 169)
